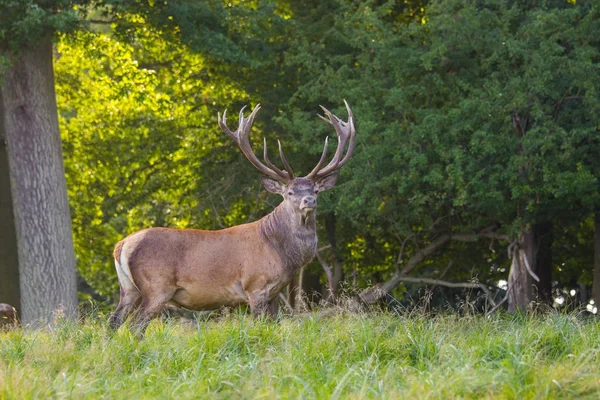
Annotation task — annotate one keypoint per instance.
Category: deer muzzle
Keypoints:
(309, 203)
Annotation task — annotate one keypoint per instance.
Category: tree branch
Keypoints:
(401, 253)
(446, 270)
(439, 282)
(426, 252)
(378, 291)
(504, 299)
(523, 258)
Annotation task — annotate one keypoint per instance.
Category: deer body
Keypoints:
(236, 264)
(224, 260)
(249, 263)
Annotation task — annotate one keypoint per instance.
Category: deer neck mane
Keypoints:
(293, 235)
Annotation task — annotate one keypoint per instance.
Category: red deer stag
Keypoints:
(249, 263)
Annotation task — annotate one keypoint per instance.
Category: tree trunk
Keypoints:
(583, 294)
(9, 261)
(543, 236)
(41, 211)
(520, 294)
(519, 279)
(596, 284)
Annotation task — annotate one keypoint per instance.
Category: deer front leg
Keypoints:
(259, 302)
(273, 308)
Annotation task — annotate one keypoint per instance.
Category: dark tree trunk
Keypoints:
(9, 261)
(520, 292)
(543, 236)
(596, 284)
(583, 294)
(41, 212)
(519, 279)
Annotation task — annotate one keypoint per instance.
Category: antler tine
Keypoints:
(350, 115)
(345, 132)
(245, 124)
(329, 115)
(316, 169)
(241, 137)
(350, 124)
(335, 122)
(223, 125)
(283, 174)
(326, 113)
(286, 165)
(266, 154)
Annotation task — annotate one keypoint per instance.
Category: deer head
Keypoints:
(299, 193)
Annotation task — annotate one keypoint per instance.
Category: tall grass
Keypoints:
(380, 355)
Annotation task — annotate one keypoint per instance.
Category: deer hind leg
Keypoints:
(127, 303)
(151, 305)
(129, 294)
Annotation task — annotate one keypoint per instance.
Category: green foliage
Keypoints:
(24, 22)
(485, 114)
(227, 33)
(346, 356)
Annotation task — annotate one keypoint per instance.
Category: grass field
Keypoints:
(348, 356)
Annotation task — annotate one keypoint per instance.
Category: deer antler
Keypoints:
(345, 132)
(241, 138)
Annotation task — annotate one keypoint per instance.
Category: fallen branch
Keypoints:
(439, 282)
(504, 299)
(445, 238)
(426, 252)
(378, 291)
(446, 270)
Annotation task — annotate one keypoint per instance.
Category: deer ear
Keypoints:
(326, 182)
(272, 185)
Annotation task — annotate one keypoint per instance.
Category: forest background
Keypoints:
(477, 159)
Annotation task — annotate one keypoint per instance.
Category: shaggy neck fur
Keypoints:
(292, 234)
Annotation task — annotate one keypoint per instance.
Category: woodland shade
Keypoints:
(475, 119)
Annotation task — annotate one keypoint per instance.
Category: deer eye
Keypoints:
(290, 193)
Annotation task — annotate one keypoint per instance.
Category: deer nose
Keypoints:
(309, 202)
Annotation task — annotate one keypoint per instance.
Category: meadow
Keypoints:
(346, 356)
